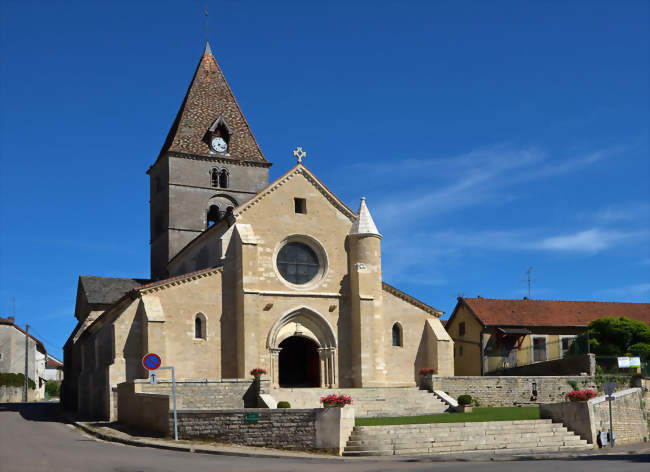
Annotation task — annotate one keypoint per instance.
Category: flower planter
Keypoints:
(465, 408)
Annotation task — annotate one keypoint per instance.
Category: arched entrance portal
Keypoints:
(299, 363)
(302, 350)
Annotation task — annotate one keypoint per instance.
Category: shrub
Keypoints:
(580, 395)
(427, 371)
(573, 383)
(257, 371)
(284, 405)
(477, 402)
(15, 380)
(465, 400)
(335, 400)
(53, 388)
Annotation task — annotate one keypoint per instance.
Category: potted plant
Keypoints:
(336, 401)
(580, 395)
(465, 403)
(426, 378)
(257, 372)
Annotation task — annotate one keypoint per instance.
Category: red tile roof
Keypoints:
(496, 312)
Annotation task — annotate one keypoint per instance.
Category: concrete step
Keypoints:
(503, 437)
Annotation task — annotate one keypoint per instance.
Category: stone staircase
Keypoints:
(369, 402)
(495, 437)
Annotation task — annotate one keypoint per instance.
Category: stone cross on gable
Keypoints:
(300, 154)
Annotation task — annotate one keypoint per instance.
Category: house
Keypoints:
(12, 354)
(245, 273)
(53, 369)
(491, 334)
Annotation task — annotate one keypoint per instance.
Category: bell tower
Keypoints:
(209, 164)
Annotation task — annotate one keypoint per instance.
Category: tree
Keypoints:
(610, 336)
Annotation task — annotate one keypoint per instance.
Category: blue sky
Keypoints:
(488, 137)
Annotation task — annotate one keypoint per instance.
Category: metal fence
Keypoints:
(504, 357)
(501, 357)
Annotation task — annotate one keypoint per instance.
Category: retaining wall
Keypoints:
(299, 429)
(589, 418)
(15, 394)
(207, 394)
(510, 390)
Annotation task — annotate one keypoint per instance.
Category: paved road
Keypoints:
(34, 438)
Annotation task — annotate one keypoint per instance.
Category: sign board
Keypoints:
(623, 362)
(152, 378)
(635, 362)
(251, 417)
(609, 387)
(151, 361)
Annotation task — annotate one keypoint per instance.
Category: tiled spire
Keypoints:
(208, 98)
(364, 223)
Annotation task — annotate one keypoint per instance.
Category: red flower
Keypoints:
(580, 395)
(257, 371)
(427, 370)
(335, 400)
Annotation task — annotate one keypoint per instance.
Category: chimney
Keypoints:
(11, 319)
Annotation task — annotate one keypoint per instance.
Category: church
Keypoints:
(247, 274)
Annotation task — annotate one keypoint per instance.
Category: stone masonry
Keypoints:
(628, 416)
(207, 395)
(509, 391)
(283, 428)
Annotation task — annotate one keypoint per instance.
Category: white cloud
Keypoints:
(633, 211)
(591, 240)
(476, 178)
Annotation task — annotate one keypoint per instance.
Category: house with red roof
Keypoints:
(492, 334)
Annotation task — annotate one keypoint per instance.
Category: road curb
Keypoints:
(395, 458)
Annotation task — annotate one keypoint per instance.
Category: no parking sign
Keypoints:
(151, 361)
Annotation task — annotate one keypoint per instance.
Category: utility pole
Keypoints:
(26, 363)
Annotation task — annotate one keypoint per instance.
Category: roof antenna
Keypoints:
(528, 279)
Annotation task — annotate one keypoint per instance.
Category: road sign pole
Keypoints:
(174, 400)
(611, 425)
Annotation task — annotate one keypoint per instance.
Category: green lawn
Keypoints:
(507, 413)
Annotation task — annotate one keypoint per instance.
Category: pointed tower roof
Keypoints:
(208, 99)
(364, 224)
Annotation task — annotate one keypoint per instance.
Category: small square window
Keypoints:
(301, 205)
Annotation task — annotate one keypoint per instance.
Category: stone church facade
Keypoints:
(245, 274)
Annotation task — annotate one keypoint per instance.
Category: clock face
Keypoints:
(219, 144)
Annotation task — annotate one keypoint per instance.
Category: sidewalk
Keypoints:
(114, 433)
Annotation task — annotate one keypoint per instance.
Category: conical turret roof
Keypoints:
(364, 223)
(209, 98)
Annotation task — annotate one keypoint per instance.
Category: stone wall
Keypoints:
(628, 416)
(298, 429)
(146, 411)
(207, 395)
(15, 394)
(575, 365)
(589, 418)
(509, 391)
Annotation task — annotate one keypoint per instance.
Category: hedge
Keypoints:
(15, 380)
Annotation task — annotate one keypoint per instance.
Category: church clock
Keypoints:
(219, 144)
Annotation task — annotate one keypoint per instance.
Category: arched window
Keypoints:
(223, 179)
(214, 177)
(397, 335)
(199, 326)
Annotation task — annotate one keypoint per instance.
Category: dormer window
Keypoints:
(219, 136)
